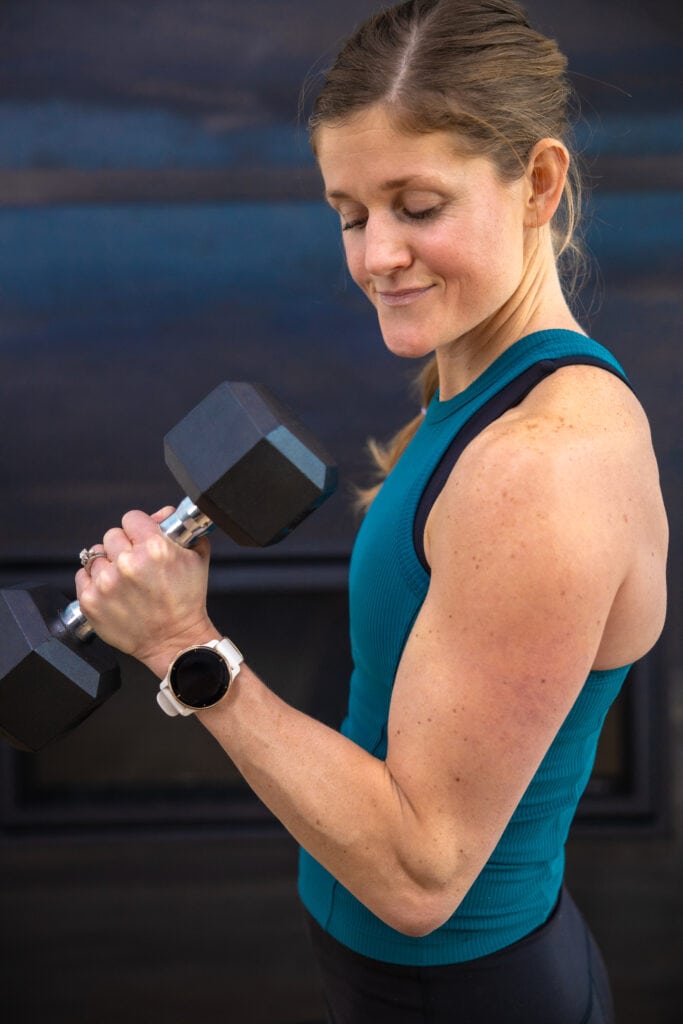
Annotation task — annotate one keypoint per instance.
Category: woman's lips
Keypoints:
(402, 296)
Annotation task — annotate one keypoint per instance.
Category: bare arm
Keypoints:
(522, 584)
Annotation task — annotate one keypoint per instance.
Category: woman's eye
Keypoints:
(359, 222)
(431, 211)
(351, 224)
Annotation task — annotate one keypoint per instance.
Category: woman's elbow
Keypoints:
(418, 913)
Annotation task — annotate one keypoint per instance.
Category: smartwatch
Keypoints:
(199, 677)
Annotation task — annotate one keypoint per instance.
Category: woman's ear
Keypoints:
(546, 174)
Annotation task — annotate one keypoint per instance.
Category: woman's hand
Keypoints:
(148, 596)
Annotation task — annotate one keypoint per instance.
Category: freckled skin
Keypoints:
(563, 490)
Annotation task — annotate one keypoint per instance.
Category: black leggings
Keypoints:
(555, 975)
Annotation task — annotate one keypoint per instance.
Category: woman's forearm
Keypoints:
(339, 802)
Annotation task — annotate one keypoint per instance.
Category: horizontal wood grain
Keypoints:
(73, 186)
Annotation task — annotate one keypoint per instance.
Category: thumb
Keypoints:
(138, 526)
(202, 546)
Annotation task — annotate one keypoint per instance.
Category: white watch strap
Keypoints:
(168, 702)
(232, 654)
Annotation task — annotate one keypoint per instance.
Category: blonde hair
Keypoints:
(474, 67)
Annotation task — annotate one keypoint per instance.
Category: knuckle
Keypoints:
(157, 549)
(106, 581)
(130, 518)
(86, 601)
(125, 564)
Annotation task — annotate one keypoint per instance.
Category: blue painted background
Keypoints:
(115, 319)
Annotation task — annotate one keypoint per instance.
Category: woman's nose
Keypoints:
(386, 246)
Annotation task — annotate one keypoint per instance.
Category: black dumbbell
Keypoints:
(248, 467)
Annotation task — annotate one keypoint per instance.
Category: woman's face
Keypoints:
(433, 237)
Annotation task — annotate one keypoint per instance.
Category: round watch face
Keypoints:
(199, 677)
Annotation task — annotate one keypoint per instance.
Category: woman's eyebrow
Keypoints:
(389, 186)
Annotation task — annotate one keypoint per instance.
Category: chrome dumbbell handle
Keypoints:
(184, 526)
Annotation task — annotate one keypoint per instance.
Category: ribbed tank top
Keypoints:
(519, 885)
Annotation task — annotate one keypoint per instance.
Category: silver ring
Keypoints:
(88, 555)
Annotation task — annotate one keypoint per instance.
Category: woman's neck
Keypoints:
(537, 304)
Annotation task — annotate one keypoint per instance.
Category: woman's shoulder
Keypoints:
(578, 416)
(575, 455)
(566, 484)
(558, 501)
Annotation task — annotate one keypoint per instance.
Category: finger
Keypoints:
(82, 582)
(139, 527)
(115, 542)
(94, 552)
(162, 514)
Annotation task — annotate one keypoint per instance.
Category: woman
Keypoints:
(506, 575)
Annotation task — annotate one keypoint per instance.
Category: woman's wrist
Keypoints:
(159, 659)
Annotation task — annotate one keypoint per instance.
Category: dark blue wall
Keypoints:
(161, 230)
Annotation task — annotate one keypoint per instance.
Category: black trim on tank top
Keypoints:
(507, 398)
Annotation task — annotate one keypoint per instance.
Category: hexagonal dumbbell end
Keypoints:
(249, 464)
(49, 680)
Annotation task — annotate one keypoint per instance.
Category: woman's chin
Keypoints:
(407, 347)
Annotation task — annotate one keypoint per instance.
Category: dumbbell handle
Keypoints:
(184, 526)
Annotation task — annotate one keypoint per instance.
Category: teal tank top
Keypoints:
(519, 885)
